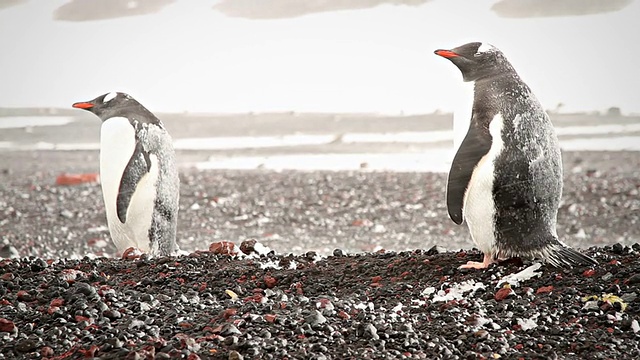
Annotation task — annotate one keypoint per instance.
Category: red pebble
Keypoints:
(23, 295)
(270, 281)
(229, 313)
(46, 352)
(82, 318)
(589, 273)
(223, 248)
(76, 179)
(270, 317)
(343, 315)
(57, 302)
(545, 289)
(6, 325)
(7, 277)
(503, 293)
(376, 279)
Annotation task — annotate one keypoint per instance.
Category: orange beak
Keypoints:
(82, 105)
(446, 53)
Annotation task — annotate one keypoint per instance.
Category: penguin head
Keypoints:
(107, 105)
(476, 60)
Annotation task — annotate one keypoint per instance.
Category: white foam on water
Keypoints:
(436, 160)
(250, 142)
(17, 122)
(400, 137)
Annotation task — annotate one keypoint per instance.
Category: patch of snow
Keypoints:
(457, 291)
(397, 307)
(428, 291)
(527, 324)
(270, 264)
(524, 275)
(261, 249)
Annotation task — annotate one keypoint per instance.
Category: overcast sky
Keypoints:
(190, 56)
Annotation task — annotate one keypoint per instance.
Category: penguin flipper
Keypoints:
(139, 164)
(475, 145)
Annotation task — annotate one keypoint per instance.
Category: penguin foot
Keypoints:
(131, 254)
(488, 260)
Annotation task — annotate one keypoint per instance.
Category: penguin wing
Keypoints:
(474, 146)
(139, 165)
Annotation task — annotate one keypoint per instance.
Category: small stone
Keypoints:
(9, 252)
(223, 248)
(7, 325)
(26, 345)
(234, 355)
(371, 331)
(66, 214)
(315, 318)
(248, 246)
(230, 329)
(618, 248)
(634, 279)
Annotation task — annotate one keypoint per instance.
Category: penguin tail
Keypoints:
(560, 255)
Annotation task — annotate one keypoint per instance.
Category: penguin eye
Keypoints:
(110, 96)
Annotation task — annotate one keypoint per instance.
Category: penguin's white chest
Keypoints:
(117, 145)
(479, 207)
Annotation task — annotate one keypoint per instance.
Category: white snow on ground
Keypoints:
(524, 275)
(527, 324)
(454, 291)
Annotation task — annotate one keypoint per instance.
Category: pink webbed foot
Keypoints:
(131, 254)
(488, 260)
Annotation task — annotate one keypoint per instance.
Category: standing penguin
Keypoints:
(506, 178)
(140, 183)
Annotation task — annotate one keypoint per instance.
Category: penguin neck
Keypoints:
(491, 92)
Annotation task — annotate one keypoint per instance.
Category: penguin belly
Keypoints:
(479, 204)
(117, 145)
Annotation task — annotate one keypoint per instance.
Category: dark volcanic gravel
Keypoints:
(374, 306)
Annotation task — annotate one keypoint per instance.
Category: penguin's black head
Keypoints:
(476, 60)
(107, 105)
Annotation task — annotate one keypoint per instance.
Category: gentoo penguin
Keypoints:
(506, 177)
(140, 183)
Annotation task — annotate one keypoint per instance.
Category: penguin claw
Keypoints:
(131, 254)
(488, 260)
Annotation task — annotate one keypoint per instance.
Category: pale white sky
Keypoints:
(191, 57)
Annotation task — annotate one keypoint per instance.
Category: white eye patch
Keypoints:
(484, 48)
(109, 97)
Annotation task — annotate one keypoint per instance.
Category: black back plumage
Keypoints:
(527, 182)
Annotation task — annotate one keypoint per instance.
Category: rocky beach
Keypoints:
(289, 264)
